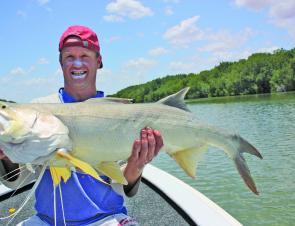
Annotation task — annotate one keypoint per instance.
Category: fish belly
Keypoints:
(102, 139)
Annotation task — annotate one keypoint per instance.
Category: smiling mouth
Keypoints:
(78, 74)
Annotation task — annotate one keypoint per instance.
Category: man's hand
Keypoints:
(143, 151)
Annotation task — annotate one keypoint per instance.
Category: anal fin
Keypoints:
(113, 171)
(188, 158)
(85, 167)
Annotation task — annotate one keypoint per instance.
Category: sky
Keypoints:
(140, 39)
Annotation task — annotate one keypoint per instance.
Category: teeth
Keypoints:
(79, 74)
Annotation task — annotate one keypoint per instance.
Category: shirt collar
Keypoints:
(67, 98)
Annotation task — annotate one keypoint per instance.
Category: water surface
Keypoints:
(266, 121)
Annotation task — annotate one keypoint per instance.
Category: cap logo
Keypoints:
(85, 44)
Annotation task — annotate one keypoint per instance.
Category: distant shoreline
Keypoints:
(260, 73)
(240, 98)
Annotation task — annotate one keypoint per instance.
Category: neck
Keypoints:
(81, 95)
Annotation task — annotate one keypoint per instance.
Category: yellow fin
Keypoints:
(59, 172)
(85, 167)
(113, 171)
(188, 158)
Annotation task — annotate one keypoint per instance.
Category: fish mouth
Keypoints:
(78, 74)
(4, 123)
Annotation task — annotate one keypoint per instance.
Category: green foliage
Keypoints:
(260, 73)
(9, 101)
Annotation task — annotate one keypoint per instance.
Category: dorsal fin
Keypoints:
(111, 100)
(176, 100)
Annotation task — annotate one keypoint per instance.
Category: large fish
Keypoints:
(97, 134)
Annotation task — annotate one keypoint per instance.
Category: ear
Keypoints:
(99, 62)
(60, 59)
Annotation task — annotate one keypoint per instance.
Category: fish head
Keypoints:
(29, 134)
(15, 124)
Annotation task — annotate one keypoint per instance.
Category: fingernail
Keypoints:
(143, 133)
(137, 141)
(157, 132)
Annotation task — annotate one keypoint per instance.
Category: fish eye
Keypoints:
(3, 107)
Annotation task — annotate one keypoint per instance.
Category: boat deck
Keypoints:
(147, 207)
(162, 199)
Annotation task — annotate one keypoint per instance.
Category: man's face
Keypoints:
(79, 67)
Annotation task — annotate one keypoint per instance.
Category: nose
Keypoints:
(77, 63)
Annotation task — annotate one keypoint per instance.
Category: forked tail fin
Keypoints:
(244, 171)
(241, 165)
(233, 145)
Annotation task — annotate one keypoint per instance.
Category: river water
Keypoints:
(268, 122)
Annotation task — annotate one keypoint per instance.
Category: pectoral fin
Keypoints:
(85, 167)
(113, 171)
(58, 173)
(188, 159)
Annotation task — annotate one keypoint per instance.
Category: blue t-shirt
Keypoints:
(67, 98)
(85, 199)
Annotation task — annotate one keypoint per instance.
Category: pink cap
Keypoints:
(88, 38)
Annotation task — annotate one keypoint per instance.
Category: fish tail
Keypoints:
(241, 165)
(245, 146)
(244, 171)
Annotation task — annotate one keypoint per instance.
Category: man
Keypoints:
(86, 201)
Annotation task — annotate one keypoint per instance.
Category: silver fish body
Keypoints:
(105, 131)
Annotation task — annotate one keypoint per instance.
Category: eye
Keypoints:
(84, 56)
(69, 57)
(3, 106)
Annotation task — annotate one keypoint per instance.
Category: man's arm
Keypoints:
(143, 151)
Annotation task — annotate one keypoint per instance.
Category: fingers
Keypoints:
(144, 146)
(158, 141)
(135, 150)
(147, 147)
(151, 145)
